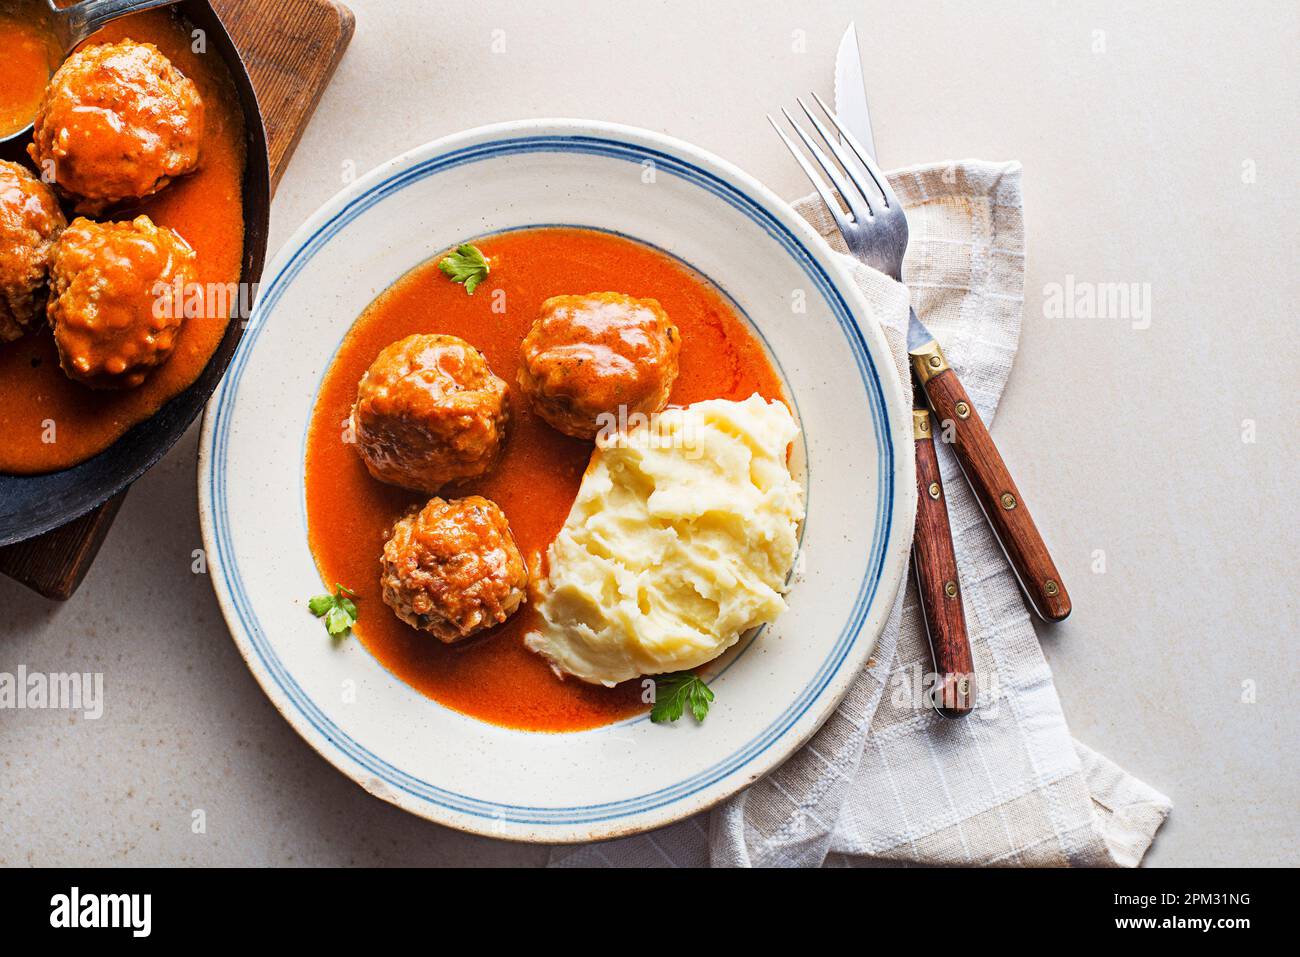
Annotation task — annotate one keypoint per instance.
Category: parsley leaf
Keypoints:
(466, 265)
(337, 621)
(338, 610)
(674, 692)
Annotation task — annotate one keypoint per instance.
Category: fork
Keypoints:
(875, 231)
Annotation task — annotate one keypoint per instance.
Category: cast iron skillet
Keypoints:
(32, 504)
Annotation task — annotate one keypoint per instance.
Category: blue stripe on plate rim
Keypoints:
(228, 568)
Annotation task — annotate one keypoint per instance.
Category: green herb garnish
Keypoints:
(466, 265)
(673, 692)
(338, 610)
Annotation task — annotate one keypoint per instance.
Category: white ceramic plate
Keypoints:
(772, 694)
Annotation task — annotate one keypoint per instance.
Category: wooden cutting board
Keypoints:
(291, 49)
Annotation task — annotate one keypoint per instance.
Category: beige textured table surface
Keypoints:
(1160, 147)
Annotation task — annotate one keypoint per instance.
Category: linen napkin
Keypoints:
(886, 780)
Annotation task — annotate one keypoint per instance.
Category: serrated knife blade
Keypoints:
(851, 90)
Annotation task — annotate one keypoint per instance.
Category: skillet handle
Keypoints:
(995, 490)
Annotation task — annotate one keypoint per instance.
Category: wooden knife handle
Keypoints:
(1003, 505)
(936, 578)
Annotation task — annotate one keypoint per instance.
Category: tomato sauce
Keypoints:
(30, 54)
(205, 207)
(493, 677)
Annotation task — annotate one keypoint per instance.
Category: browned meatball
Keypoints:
(598, 355)
(429, 411)
(453, 568)
(112, 301)
(30, 222)
(117, 122)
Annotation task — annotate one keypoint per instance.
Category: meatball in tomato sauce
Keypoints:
(453, 569)
(30, 222)
(429, 412)
(601, 355)
(118, 122)
(112, 299)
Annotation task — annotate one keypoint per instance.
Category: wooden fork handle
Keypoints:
(982, 464)
(936, 580)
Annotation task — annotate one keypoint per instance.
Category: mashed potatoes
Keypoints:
(681, 539)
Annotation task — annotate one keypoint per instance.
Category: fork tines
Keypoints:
(864, 198)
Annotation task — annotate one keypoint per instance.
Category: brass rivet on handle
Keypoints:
(950, 589)
(962, 410)
(935, 361)
(1008, 501)
(934, 490)
(963, 686)
(1051, 588)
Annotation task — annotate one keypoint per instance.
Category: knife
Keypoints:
(996, 492)
(934, 562)
(932, 558)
